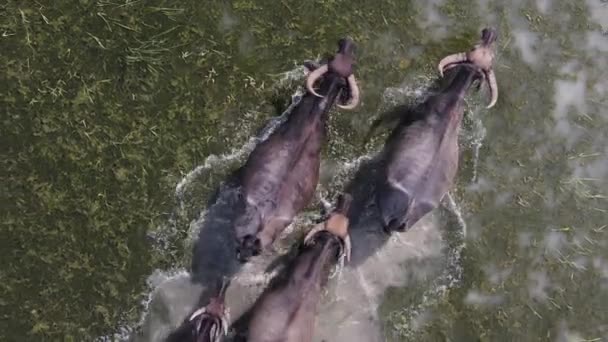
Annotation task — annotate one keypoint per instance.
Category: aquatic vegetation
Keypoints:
(106, 105)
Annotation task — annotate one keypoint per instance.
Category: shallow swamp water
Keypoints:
(120, 119)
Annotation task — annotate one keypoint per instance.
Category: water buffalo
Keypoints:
(207, 324)
(281, 174)
(420, 157)
(286, 312)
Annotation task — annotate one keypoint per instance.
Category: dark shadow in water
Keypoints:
(214, 255)
(365, 229)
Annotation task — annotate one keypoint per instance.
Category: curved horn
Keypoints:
(347, 248)
(224, 284)
(455, 58)
(313, 76)
(319, 227)
(198, 313)
(354, 94)
(493, 85)
(224, 329)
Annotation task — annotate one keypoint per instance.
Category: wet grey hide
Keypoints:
(420, 157)
(281, 174)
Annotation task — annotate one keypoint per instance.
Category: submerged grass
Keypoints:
(106, 105)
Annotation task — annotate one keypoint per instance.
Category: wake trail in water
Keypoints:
(455, 209)
(408, 319)
(474, 134)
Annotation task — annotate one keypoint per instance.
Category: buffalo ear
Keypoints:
(311, 65)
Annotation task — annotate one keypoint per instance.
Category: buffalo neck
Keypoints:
(312, 106)
(330, 88)
(464, 76)
(311, 114)
(319, 257)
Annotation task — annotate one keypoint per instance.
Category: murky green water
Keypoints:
(106, 106)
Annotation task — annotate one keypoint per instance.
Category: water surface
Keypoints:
(120, 119)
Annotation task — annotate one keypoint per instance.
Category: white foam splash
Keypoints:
(476, 134)
(455, 209)
(410, 91)
(296, 74)
(341, 173)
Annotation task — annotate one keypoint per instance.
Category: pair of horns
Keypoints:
(340, 229)
(458, 58)
(352, 84)
(219, 327)
(321, 227)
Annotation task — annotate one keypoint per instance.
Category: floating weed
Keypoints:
(25, 23)
(585, 155)
(103, 17)
(582, 188)
(46, 20)
(534, 311)
(97, 40)
(168, 10)
(121, 25)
